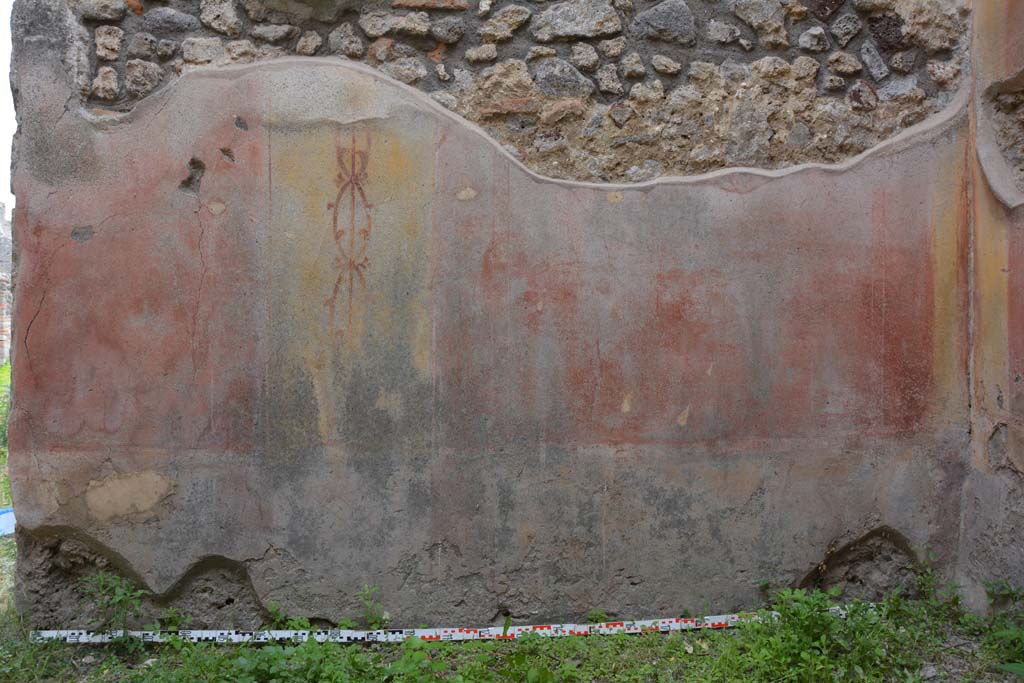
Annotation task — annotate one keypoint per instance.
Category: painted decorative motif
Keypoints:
(351, 226)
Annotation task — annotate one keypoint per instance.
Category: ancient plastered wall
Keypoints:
(289, 328)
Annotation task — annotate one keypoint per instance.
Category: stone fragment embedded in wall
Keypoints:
(106, 85)
(222, 16)
(823, 9)
(102, 10)
(202, 50)
(448, 30)
(274, 33)
(767, 18)
(503, 24)
(108, 42)
(813, 39)
(576, 19)
(309, 43)
(670, 21)
(934, 25)
(874, 62)
(723, 32)
(483, 53)
(845, 27)
(559, 78)
(584, 57)
(405, 69)
(169, 20)
(844, 64)
(344, 41)
(143, 45)
(142, 77)
(666, 65)
(887, 30)
(632, 66)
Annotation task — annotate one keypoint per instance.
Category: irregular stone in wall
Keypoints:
(108, 42)
(632, 66)
(202, 50)
(823, 9)
(576, 19)
(298, 11)
(723, 32)
(142, 77)
(106, 85)
(647, 92)
(813, 39)
(343, 40)
(873, 61)
(862, 96)
(143, 45)
(169, 20)
(844, 63)
(943, 74)
(767, 18)
(309, 43)
(165, 49)
(240, 51)
(559, 78)
(458, 5)
(608, 80)
(405, 69)
(377, 24)
(934, 25)
(504, 23)
(448, 30)
(670, 21)
(274, 33)
(845, 28)
(482, 53)
(222, 16)
(904, 62)
(102, 10)
(613, 47)
(584, 57)
(887, 30)
(873, 5)
(666, 65)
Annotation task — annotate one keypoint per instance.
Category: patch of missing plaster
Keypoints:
(216, 592)
(869, 568)
(1005, 106)
(196, 169)
(126, 494)
(1001, 456)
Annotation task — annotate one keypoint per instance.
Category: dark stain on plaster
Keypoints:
(241, 124)
(227, 154)
(196, 169)
(82, 233)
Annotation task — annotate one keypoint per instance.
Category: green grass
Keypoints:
(5, 409)
(891, 641)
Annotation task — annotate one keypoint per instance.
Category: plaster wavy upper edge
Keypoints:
(932, 126)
